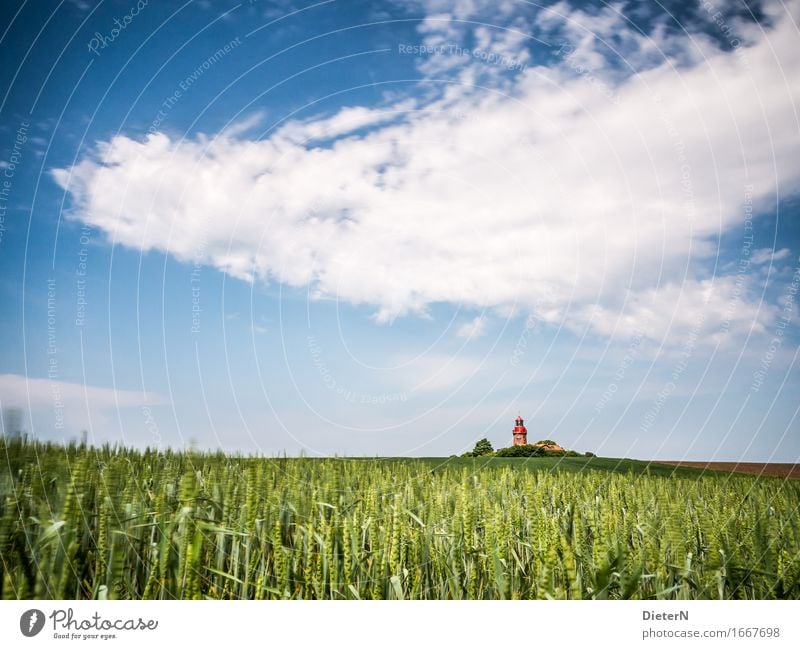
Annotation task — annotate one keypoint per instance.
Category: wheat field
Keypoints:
(79, 523)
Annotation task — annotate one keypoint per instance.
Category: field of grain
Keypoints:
(80, 523)
(761, 469)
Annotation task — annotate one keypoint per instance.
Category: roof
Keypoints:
(550, 447)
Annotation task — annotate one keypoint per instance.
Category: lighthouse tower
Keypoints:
(520, 433)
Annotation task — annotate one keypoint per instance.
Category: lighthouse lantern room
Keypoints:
(520, 432)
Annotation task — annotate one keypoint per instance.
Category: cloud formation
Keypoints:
(535, 191)
(18, 390)
(475, 328)
(66, 407)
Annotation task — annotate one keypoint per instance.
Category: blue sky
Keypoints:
(388, 227)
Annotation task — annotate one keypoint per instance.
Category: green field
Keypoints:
(77, 522)
(570, 464)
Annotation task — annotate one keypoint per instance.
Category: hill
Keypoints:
(567, 464)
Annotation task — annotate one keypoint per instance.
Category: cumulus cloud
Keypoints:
(345, 121)
(763, 255)
(705, 309)
(475, 328)
(535, 192)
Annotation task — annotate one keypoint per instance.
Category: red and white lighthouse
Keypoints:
(520, 433)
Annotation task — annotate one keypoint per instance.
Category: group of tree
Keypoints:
(533, 450)
(483, 448)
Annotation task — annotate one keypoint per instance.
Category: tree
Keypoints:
(525, 450)
(482, 447)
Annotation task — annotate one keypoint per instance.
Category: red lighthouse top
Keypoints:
(520, 432)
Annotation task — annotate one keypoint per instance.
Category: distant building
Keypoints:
(550, 447)
(521, 438)
(520, 432)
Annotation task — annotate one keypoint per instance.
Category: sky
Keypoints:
(387, 228)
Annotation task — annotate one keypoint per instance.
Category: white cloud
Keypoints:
(54, 406)
(710, 310)
(345, 121)
(475, 328)
(18, 390)
(763, 255)
(542, 195)
(242, 126)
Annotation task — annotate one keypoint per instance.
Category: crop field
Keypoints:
(78, 523)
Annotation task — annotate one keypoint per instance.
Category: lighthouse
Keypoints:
(520, 433)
